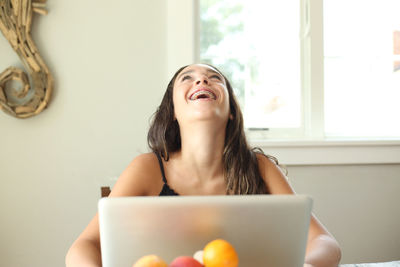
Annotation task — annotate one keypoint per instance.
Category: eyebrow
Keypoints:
(190, 71)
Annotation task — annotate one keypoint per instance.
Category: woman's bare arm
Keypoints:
(141, 177)
(85, 251)
(322, 248)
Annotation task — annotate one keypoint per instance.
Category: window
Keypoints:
(242, 38)
(308, 69)
(362, 76)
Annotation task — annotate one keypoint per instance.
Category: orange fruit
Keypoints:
(220, 253)
(150, 261)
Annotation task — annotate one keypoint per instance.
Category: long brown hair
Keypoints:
(240, 161)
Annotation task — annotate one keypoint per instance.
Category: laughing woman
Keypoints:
(199, 148)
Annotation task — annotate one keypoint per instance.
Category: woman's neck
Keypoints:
(202, 150)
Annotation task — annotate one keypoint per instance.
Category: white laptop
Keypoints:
(265, 230)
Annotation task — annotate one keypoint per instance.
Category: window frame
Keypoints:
(311, 146)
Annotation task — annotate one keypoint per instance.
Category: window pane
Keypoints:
(362, 67)
(256, 43)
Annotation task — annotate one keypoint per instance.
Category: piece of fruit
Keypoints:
(198, 255)
(150, 261)
(185, 261)
(220, 253)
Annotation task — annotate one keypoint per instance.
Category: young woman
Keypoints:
(199, 148)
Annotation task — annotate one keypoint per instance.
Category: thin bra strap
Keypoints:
(161, 167)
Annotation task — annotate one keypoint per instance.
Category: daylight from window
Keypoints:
(256, 44)
(362, 67)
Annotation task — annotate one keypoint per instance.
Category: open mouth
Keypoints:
(203, 94)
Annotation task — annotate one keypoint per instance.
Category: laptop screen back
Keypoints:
(266, 230)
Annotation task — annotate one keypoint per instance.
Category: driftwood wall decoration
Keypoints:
(15, 24)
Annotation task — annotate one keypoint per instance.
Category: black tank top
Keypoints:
(166, 190)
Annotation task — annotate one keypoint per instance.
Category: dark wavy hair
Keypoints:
(241, 170)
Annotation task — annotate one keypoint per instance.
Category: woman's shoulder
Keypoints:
(141, 177)
(273, 175)
(266, 161)
(145, 167)
(145, 160)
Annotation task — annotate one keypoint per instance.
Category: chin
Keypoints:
(210, 117)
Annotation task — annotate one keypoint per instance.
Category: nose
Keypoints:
(202, 79)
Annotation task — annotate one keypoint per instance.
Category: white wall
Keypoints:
(109, 61)
(359, 204)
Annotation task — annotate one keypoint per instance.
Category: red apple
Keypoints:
(185, 261)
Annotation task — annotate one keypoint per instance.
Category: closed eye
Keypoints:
(216, 76)
(186, 77)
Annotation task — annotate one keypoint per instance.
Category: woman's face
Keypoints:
(200, 94)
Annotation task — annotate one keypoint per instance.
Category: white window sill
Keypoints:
(332, 152)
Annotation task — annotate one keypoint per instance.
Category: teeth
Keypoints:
(203, 92)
